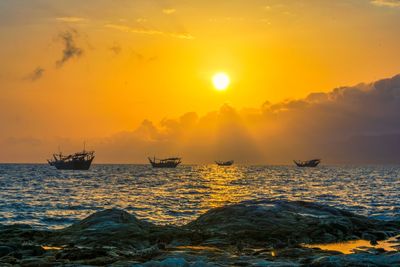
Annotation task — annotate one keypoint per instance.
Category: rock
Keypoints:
(75, 254)
(19, 233)
(264, 263)
(112, 227)
(271, 220)
(32, 250)
(35, 262)
(174, 262)
(147, 252)
(201, 264)
(8, 259)
(150, 264)
(5, 250)
(251, 233)
(99, 261)
(126, 263)
(368, 236)
(356, 260)
(295, 252)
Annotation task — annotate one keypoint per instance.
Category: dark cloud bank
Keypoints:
(349, 125)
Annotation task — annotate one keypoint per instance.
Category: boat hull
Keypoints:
(227, 163)
(72, 165)
(164, 165)
(309, 164)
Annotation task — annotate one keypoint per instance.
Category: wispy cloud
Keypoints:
(116, 48)
(169, 11)
(141, 20)
(388, 3)
(70, 19)
(35, 75)
(70, 50)
(125, 28)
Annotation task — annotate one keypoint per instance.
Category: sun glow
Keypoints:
(221, 81)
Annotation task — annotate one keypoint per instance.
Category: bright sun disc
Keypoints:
(220, 81)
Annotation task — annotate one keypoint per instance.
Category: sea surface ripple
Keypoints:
(39, 195)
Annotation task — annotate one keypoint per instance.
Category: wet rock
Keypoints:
(278, 221)
(174, 262)
(264, 263)
(75, 254)
(32, 250)
(251, 233)
(19, 233)
(100, 261)
(368, 236)
(5, 250)
(356, 260)
(201, 264)
(112, 227)
(35, 262)
(125, 263)
(8, 259)
(295, 252)
(149, 264)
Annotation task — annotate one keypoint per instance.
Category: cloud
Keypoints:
(116, 48)
(388, 3)
(350, 125)
(196, 139)
(141, 20)
(143, 30)
(70, 19)
(169, 11)
(36, 74)
(70, 50)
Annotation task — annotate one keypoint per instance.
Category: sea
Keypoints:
(41, 196)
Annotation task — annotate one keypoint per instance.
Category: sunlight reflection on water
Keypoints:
(40, 195)
(348, 247)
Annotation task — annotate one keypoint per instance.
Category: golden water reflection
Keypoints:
(223, 185)
(348, 247)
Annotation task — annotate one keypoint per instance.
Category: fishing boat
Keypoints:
(164, 163)
(77, 161)
(308, 163)
(224, 163)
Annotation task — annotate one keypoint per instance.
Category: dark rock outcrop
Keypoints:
(358, 260)
(112, 227)
(251, 233)
(288, 222)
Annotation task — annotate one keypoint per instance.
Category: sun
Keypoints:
(221, 81)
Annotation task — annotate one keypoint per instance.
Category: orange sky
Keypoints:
(75, 70)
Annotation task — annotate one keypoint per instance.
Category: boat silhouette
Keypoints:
(77, 161)
(224, 163)
(164, 163)
(308, 163)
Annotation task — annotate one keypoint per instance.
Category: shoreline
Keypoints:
(249, 233)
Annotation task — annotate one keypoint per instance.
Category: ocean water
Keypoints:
(42, 196)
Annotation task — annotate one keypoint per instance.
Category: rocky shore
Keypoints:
(252, 233)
